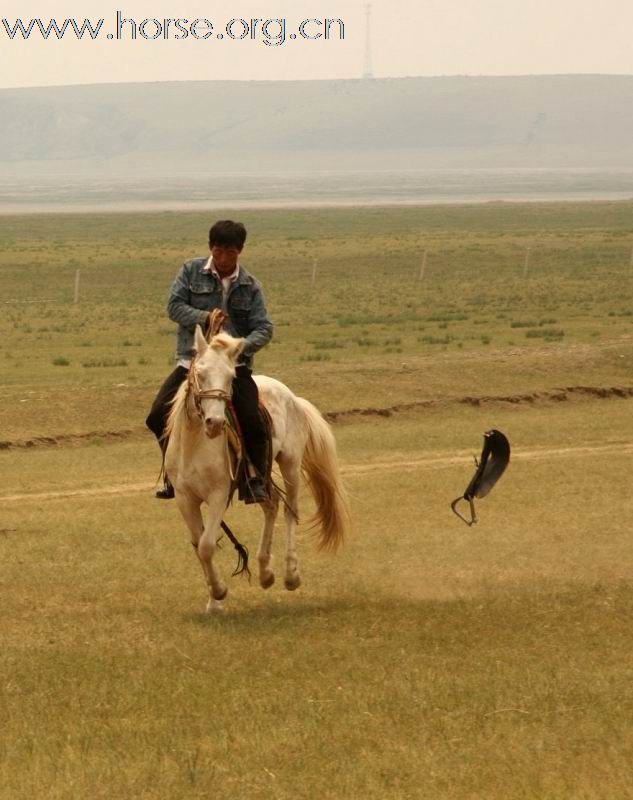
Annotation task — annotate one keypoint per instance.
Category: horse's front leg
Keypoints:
(190, 509)
(207, 547)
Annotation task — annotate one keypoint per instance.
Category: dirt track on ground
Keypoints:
(429, 461)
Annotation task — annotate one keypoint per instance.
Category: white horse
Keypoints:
(197, 462)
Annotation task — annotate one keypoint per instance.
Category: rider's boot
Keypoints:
(256, 487)
(256, 491)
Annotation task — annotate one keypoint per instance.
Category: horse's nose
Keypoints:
(214, 426)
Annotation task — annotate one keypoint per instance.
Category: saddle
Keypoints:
(494, 459)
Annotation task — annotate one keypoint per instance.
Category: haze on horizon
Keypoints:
(408, 38)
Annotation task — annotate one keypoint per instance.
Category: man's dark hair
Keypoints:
(226, 233)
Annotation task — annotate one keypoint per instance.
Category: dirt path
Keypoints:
(429, 461)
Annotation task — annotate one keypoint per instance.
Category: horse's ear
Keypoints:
(236, 349)
(199, 342)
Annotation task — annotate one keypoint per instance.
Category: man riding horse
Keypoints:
(202, 286)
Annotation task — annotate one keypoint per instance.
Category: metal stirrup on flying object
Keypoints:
(495, 457)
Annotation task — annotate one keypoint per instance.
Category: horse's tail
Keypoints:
(321, 471)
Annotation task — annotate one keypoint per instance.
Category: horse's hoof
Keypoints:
(293, 582)
(267, 581)
(215, 607)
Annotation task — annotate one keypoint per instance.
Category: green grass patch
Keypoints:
(524, 323)
(316, 357)
(428, 339)
(553, 334)
(104, 362)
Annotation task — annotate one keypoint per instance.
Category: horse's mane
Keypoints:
(178, 405)
(224, 341)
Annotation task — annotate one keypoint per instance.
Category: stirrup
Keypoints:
(473, 516)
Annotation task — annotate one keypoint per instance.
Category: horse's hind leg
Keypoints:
(291, 472)
(264, 554)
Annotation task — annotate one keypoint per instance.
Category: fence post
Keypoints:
(314, 272)
(76, 287)
(526, 265)
(422, 267)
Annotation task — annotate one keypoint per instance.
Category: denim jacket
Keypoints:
(194, 293)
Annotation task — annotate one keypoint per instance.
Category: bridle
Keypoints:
(198, 394)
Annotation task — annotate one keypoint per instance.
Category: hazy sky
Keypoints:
(408, 37)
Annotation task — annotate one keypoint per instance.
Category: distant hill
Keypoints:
(205, 128)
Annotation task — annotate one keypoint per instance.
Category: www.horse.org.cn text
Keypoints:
(272, 32)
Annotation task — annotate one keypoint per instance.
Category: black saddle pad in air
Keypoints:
(495, 457)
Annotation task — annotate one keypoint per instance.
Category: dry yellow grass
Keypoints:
(428, 660)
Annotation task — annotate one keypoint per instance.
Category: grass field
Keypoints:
(426, 660)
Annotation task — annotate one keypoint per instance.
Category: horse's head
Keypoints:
(211, 375)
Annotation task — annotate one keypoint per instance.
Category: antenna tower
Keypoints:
(367, 70)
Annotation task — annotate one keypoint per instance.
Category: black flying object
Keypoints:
(495, 457)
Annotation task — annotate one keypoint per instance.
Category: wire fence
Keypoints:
(425, 265)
